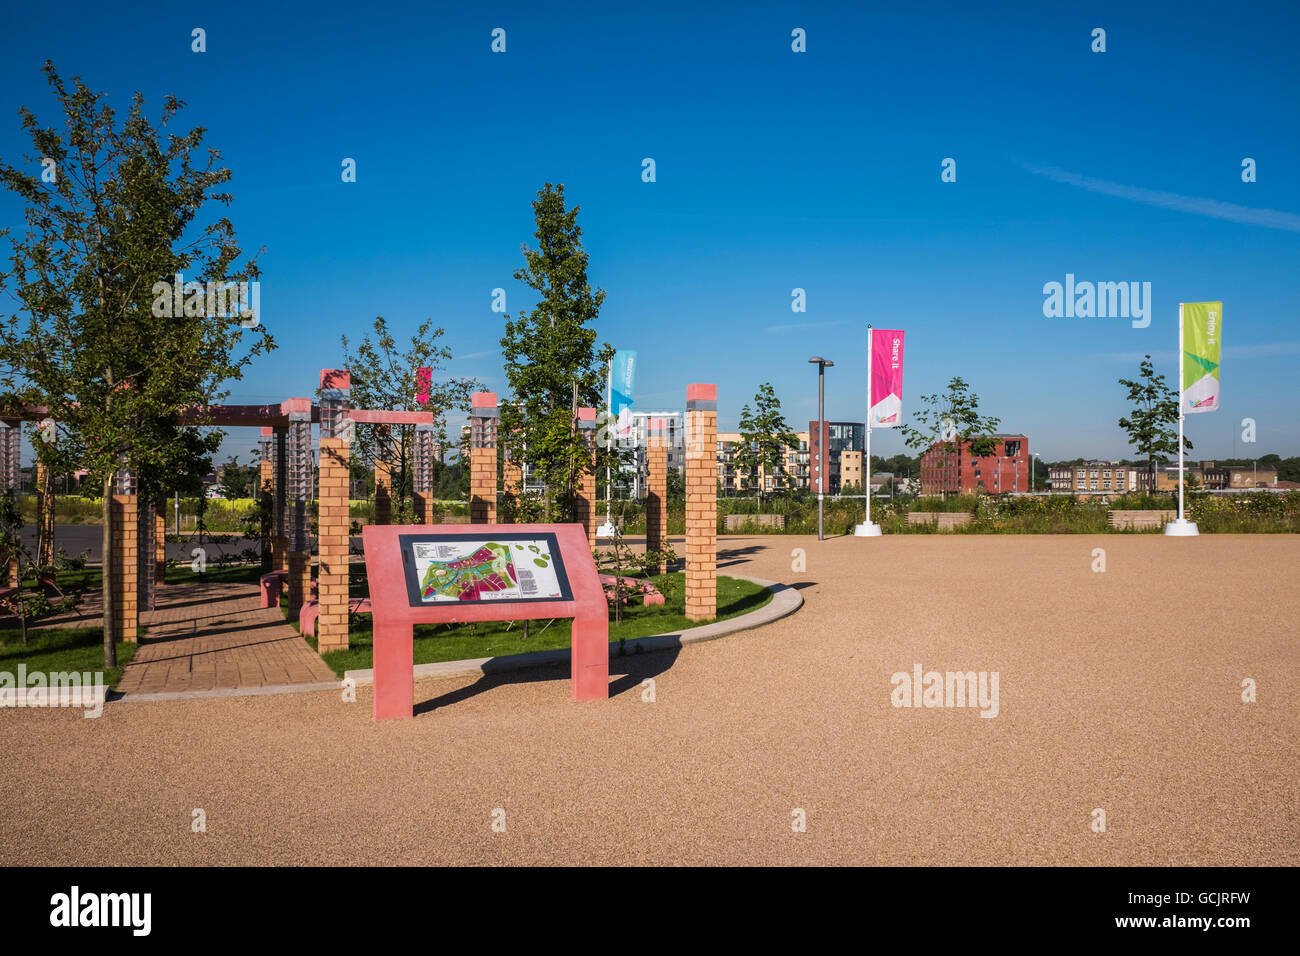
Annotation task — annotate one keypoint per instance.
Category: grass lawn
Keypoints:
(455, 642)
(92, 578)
(78, 649)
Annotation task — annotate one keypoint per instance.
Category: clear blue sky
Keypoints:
(775, 170)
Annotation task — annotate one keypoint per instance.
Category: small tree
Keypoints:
(1152, 426)
(948, 421)
(552, 363)
(116, 212)
(384, 377)
(764, 439)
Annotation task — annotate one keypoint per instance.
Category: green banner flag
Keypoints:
(1202, 337)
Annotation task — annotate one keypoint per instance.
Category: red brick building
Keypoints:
(955, 470)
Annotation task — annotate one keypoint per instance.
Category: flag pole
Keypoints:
(1181, 527)
(1181, 414)
(867, 529)
(867, 470)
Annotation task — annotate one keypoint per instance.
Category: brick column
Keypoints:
(280, 494)
(146, 549)
(512, 486)
(160, 545)
(11, 436)
(423, 454)
(44, 514)
(332, 517)
(299, 494)
(656, 497)
(701, 502)
(587, 480)
(124, 579)
(266, 494)
(483, 458)
(383, 476)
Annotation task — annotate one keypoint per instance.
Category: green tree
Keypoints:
(118, 210)
(552, 363)
(384, 377)
(764, 439)
(238, 481)
(950, 421)
(1152, 426)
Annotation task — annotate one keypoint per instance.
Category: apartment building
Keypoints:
(1099, 476)
(955, 470)
(794, 466)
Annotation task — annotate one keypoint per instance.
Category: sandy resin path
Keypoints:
(1117, 690)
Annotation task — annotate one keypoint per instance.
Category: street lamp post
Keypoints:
(822, 456)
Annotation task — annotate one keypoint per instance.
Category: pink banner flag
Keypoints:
(886, 351)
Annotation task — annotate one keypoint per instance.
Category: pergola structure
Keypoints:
(286, 484)
(286, 480)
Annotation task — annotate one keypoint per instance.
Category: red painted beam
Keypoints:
(370, 416)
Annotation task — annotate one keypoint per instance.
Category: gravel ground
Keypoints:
(1118, 690)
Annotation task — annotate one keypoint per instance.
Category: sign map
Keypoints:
(461, 569)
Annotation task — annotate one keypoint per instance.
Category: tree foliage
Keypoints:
(949, 420)
(125, 210)
(552, 362)
(1152, 426)
(765, 437)
(384, 377)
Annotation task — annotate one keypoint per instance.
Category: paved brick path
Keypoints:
(214, 636)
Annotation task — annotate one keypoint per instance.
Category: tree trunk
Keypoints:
(110, 635)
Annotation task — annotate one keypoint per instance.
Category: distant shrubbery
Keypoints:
(1261, 512)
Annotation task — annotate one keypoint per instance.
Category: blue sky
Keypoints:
(775, 170)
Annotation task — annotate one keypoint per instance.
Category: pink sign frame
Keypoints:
(395, 618)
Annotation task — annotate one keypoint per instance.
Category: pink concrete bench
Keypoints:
(649, 593)
(311, 610)
(271, 585)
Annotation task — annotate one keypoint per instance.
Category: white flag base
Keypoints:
(866, 530)
(606, 530)
(1181, 528)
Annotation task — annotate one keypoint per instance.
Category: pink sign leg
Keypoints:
(590, 674)
(394, 670)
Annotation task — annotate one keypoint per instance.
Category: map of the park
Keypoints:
(489, 569)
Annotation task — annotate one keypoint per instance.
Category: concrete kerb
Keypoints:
(785, 601)
(138, 698)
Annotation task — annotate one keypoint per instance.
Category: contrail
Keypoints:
(1269, 218)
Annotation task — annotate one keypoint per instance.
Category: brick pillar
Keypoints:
(280, 495)
(146, 555)
(266, 495)
(332, 517)
(656, 497)
(701, 502)
(483, 458)
(512, 485)
(44, 514)
(383, 477)
(11, 435)
(587, 481)
(299, 493)
(124, 580)
(424, 451)
(160, 545)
